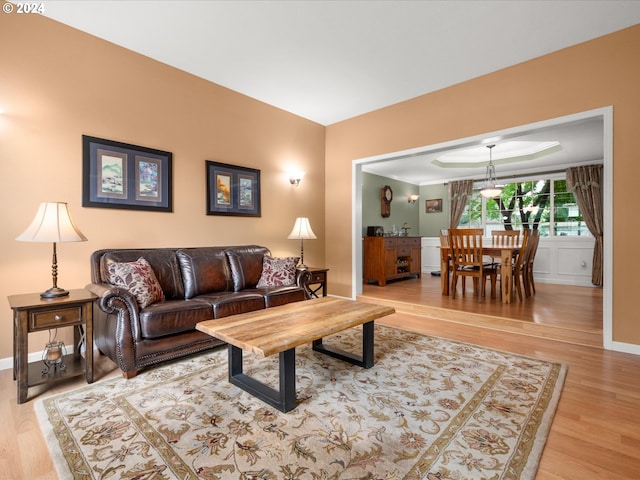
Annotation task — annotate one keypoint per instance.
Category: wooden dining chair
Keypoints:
(520, 266)
(529, 283)
(466, 256)
(444, 237)
(504, 238)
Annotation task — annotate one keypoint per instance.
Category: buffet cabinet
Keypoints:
(390, 258)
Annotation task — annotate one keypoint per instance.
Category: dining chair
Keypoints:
(504, 238)
(466, 256)
(520, 265)
(444, 242)
(529, 283)
(444, 237)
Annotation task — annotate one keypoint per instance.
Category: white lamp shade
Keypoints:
(491, 191)
(302, 229)
(52, 223)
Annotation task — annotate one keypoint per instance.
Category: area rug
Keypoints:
(428, 409)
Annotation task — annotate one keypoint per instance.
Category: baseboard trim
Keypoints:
(625, 348)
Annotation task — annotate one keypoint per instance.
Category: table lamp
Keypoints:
(52, 223)
(302, 230)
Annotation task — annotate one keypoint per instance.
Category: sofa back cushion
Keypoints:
(204, 270)
(246, 265)
(162, 260)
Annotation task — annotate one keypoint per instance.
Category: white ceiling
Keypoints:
(332, 60)
(580, 142)
(328, 61)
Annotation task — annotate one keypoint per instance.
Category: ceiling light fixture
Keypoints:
(490, 189)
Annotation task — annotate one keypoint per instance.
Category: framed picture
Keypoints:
(232, 190)
(434, 205)
(120, 175)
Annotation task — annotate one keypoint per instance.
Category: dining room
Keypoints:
(566, 304)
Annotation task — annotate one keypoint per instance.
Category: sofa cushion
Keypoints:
(138, 278)
(275, 296)
(278, 272)
(232, 303)
(204, 270)
(173, 316)
(163, 261)
(246, 265)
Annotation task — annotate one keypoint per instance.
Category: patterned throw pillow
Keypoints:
(138, 278)
(277, 272)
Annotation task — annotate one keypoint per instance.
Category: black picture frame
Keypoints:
(433, 206)
(121, 175)
(232, 190)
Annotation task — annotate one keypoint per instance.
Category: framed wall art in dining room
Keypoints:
(121, 175)
(232, 190)
(434, 205)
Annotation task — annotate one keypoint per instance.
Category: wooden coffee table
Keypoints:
(281, 329)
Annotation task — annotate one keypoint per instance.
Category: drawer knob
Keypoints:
(57, 318)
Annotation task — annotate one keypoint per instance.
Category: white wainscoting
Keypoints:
(561, 260)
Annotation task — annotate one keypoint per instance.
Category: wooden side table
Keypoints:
(319, 281)
(31, 314)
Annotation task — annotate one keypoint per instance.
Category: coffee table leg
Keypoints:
(365, 361)
(284, 399)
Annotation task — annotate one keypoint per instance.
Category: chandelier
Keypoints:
(490, 189)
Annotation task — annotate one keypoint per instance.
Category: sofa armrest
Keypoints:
(117, 324)
(303, 277)
(111, 299)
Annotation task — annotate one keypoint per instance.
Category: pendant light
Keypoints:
(490, 189)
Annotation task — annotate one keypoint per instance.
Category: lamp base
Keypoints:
(54, 292)
(302, 266)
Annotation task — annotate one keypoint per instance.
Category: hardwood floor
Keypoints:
(563, 313)
(596, 430)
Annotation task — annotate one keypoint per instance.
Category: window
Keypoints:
(542, 204)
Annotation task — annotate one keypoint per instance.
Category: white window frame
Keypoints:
(530, 178)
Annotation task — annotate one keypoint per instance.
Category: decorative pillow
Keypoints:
(277, 272)
(138, 278)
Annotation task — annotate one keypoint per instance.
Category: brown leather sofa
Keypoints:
(201, 283)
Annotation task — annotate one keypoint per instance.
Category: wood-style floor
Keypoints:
(596, 430)
(564, 313)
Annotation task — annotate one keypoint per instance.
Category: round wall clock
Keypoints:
(385, 205)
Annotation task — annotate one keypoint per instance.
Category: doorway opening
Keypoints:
(606, 114)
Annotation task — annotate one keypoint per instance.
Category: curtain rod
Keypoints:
(507, 177)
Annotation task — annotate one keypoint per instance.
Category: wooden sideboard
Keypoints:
(389, 258)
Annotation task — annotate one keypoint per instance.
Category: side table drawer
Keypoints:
(45, 319)
(318, 277)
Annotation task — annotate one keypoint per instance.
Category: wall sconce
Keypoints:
(295, 178)
(413, 198)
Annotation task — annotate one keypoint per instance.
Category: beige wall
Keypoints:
(596, 74)
(57, 84)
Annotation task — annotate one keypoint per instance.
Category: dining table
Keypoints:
(506, 255)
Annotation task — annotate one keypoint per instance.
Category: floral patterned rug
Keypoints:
(428, 409)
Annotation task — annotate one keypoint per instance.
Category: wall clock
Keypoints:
(385, 204)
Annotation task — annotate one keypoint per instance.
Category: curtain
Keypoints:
(459, 193)
(586, 184)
